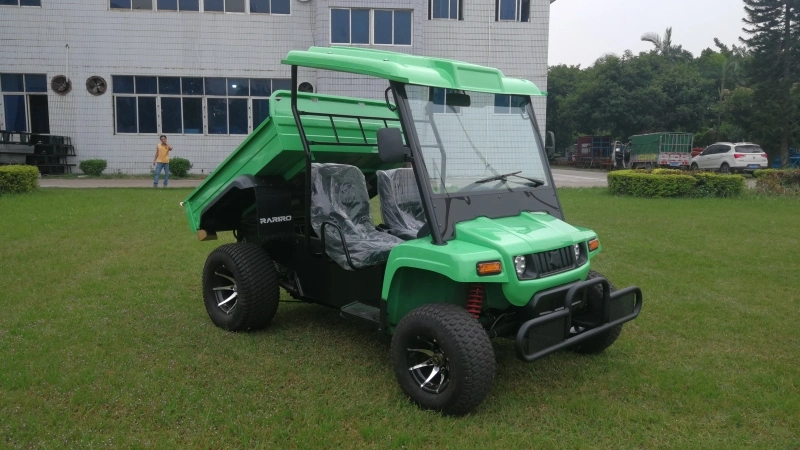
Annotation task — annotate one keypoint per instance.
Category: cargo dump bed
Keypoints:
(274, 151)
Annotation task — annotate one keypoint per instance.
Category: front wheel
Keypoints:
(443, 359)
(602, 341)
(240, 287)
(724, 168)
(695, 167)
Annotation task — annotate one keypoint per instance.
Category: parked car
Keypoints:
(727, 157)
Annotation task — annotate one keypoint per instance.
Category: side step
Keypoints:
(362, 313)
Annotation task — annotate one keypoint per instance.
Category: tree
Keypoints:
(663, 46)
(774, 34)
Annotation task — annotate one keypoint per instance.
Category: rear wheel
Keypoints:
(443, 359)
(724, 168)
(695, 166)
(602, 341)
(240, 287)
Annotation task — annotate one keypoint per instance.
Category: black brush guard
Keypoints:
(549, 333)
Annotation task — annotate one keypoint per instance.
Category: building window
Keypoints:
(231, 106)
(353, 26)
(269, 7)
(438, 96)
(21, 2)
(512, 10)
(229, 6)
(132, 4)
(25, 102)
(509, 104)
(445, 9)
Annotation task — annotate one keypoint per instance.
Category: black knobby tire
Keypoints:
(462, 350)
(245, 274)
(603, 340)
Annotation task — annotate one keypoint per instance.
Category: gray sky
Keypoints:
(583, 30)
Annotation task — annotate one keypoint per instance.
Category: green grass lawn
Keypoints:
(105, 342)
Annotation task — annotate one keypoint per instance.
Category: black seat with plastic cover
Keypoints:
(340, 216)
(401, 206)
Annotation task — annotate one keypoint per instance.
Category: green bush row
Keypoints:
(179, 167)
(674, 183)
(18, 179)
(778, 182)
(93, 166)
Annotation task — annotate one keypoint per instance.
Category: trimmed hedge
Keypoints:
(93, 167)
(778, 182)
(674, 183)
(179, 167)
(18, 179)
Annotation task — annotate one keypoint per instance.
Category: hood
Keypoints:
(522, 234)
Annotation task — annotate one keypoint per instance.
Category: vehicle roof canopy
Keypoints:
(405, 68)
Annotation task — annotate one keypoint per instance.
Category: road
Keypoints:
(579, 178)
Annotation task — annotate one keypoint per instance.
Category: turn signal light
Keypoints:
(594, 244)
(489, 268)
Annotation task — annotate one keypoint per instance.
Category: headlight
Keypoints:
(519, 265)
(577, 249)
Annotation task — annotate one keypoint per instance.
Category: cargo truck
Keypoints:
(667, 150)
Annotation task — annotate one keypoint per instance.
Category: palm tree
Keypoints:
(663, 45)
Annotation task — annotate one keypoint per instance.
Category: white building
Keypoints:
(201, 71)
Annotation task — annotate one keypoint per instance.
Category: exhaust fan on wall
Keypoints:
(61, 85)
(96, 85)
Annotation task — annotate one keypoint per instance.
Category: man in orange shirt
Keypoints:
(161, 161)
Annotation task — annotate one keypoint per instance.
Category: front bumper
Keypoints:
(553, 331)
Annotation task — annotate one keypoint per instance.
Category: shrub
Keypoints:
(179, 167)
(18, 179)
(674, 183)
(778, 182)
(93, 167)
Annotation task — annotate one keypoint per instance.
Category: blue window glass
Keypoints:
(169, 85)
(518, 101)
(120, 4)
(192, 86)
(189, 5)
(146, 85)
(402, 28)
(360, 26)
(8, 2)
(126, 114)
(439, 98)
(340, 26)
(215, 86)
(501, 104)
(260, 111)
(142, 4)
(281, 84)
(259, 6)
(40, 114)
(238, 87)
(440, 9)
(147, 115)
(35, 83)
(234, 6)
(171, 121)
(237, 113)
(122, 84)
(217, 116)
(15, 112)
(260, 87)
(382, 29)
(193, 116)
(12, 82)
(525, 12)
(508, 9)
(454, 9)
(280, 7)
(167, 5)
(31, 3)
(214, 5)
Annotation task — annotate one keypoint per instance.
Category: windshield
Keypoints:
(474, 141)
(750, 148)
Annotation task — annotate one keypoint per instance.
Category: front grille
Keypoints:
(546, 335)
(623, 306)
(554, 261)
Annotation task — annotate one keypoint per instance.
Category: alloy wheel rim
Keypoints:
(428, 365)
(225, 291)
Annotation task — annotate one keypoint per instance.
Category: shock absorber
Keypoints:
(475, 297)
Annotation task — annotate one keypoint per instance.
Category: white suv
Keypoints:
(728, 157)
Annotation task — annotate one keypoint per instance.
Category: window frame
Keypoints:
(26, 102)
(153, 4)
(370, 26)
(459, 10)
(519, 10)
(20, 5)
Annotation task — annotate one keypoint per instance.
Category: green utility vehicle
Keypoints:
(473, 243)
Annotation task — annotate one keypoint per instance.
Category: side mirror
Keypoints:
(390, 145)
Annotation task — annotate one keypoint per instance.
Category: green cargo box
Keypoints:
(661, 150)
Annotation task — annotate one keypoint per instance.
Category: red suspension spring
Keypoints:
(475, 297)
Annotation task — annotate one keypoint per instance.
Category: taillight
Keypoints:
(738, 155)
(763, 155)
